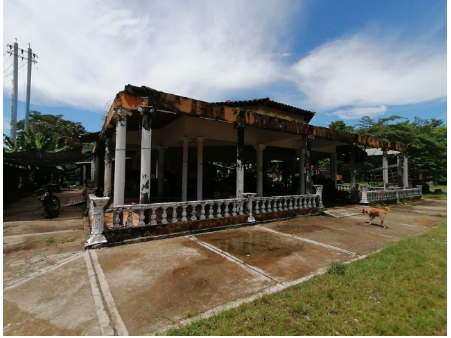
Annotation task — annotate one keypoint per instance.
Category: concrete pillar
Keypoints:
(259, 149)
(108, 168)
(85, 173)
(399, 161)
(308, 150)
(200, 166)
(239, 160)
(160, 171)
(185, 170)
(119, 159)
(333, 168)
(146, 152)
(96, 171)
(301, 153)
(93, 165)
(364, 199)
(96, 205)
(405, 172)
(354, 187)
(385, 168)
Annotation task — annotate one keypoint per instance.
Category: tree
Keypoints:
(425, 140)
(47, 124)
(341, 126)
(46, 133)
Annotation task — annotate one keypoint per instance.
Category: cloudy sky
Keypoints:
(343, 59)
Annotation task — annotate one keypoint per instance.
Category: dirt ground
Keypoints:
(52, 287)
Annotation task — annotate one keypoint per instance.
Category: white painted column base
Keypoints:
(96, 215)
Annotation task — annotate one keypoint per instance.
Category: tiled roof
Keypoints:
(269, 103)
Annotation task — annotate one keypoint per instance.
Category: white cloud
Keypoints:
(88, 50)
(359, 112)
(367, 71)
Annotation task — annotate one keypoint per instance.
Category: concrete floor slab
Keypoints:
(328, 230)
(280, 257)
(24, 255)
(58, 302)
(160, 282)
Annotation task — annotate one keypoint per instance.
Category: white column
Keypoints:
(399, 161)
(200, 166)
(161, 151)
(239, 160)
(108, 168)
(301, 153)
(385, 168)
(333, 168)
(354, 187)
(405, 172)
(259, 149)
(308, 153)
(146, 152)
(119, 159)
(185, 170)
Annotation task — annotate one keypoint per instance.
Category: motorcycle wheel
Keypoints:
(56, 203)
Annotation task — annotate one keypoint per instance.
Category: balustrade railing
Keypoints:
(141, 215)
(392, 195)
(173, 212)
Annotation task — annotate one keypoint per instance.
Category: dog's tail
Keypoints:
(387, 209)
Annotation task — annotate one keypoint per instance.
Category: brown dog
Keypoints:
(375, 212)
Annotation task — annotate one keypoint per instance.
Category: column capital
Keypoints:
(186, 139)
(200, 139)
(146, 110)
(259, 147)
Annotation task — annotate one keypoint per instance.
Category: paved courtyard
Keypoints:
(54, 287)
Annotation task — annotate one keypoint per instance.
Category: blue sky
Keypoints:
(342, 59)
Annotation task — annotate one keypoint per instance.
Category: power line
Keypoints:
(8, 67)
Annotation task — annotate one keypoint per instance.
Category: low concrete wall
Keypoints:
(159, 231)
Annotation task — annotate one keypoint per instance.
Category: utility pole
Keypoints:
(15, 91)
(31, 58)
(27, 106)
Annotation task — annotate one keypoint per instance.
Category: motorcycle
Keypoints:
(50, 203)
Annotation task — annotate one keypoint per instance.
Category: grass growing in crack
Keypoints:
(49, 241)
(398, 291)
(68, 240)
(337, 269)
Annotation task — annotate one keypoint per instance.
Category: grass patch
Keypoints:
(68, 240)
(49, 241)
(398, 291)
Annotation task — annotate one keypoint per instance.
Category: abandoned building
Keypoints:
(164, 163)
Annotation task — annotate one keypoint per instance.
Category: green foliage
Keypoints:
(341, 126)
(46, 133)
(426, 140)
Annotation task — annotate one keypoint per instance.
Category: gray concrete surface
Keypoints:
(55, 288)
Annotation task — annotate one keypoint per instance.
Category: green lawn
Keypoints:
(399, 291)
(441, 196)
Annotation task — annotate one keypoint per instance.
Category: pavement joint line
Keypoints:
(40, 272)
(42, 233)
(413, 226)
(237, 260)
(265, 291)
(394, 237)
(107, 296)
(308, 241)
(102, 314)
